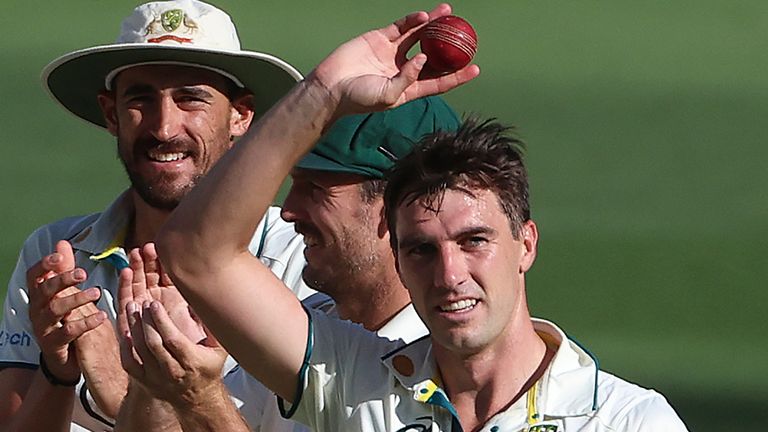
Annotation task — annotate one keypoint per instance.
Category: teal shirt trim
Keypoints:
(302, 372)
(115, 256)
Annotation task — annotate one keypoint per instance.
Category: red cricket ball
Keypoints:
(449, 42)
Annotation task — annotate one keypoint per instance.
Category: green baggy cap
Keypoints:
(369, 144)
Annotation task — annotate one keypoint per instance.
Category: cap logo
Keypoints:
(171, 19)
(169, 22)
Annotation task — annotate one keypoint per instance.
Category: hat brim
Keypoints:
(313, 161)
(75, 79)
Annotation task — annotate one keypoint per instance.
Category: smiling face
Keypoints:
(464, 268)
(345, 247)
(172, 124)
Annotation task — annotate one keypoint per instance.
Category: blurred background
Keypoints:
(646, 156)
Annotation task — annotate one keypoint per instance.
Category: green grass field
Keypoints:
(646, 156)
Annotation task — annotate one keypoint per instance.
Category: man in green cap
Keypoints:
(336, 203)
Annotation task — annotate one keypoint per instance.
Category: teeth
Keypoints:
(165, 157)
(459, 305)
(310, 241)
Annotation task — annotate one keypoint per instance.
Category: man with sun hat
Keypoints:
(176, 90)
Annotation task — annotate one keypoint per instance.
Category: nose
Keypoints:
(292, 205)
(167, 119)
(450, 268)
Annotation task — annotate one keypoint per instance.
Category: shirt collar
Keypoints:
(405, 325)
(568, 386)
(103, 238)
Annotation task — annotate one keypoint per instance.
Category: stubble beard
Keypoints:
(355, 265)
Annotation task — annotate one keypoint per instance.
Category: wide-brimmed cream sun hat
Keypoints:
(183, 32)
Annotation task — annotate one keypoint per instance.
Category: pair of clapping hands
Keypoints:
(163, 345)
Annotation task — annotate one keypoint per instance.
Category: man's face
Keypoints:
(342, 231)
(172, 124)
(464, 269)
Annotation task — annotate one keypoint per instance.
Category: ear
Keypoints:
(382, 228)
(530, 239)
(242, 115)
(107, 103)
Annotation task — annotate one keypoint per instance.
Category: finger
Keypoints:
(138, 337)
(139, 282)
(442, 9)
(128, 358)
(71, 330)
(151, 265)
(39, 272)
(164, 340)
(61, 260)
(58, 307)
(404, 25)
(210, 339)
(67, 262)
(411, 36)
(441, 84)
(56, 284)
(124, 296)
(408, 75)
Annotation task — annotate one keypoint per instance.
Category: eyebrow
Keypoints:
(409, 241)
(139, 89)
(194, 91)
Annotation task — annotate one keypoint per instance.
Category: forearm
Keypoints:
(99, 360)
(216, 220)
(216, 413)
(141, 411)
(56, 402)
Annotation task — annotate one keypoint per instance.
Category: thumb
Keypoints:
(409, 74)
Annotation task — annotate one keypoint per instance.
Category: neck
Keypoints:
(374, 305)
(485, 383)
(147, 221)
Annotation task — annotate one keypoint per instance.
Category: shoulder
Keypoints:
(63, 229)
(630, 407)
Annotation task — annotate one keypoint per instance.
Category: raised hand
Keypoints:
(59, 311)
(372, 72)
(146, 281)
(163, 345)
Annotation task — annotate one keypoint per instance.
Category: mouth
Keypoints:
(463, 305)
(311, 236)
(158, 155)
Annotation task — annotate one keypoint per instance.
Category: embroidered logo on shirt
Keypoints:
(544, 427)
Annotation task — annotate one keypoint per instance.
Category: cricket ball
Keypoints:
(449, 42)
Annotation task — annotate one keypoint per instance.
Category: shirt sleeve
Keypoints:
(281, 248)
(343, 369)
(651, 414)
(18, 347)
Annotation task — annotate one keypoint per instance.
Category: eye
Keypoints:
(138, 100)
(189, 101)
(421, 250)
(474, 242)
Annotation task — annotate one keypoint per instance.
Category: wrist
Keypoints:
(322, 93)
(201, 400)
(54, 378)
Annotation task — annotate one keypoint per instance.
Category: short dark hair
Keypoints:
(372, 188)
(479, 155)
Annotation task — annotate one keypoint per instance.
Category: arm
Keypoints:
(204, 244)
(52, 299)
(99, 358)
